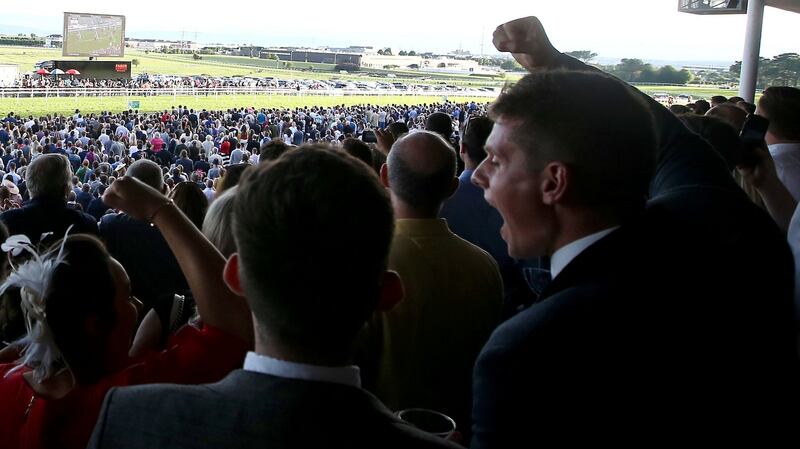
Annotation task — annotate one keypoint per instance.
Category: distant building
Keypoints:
(318, 56)
(158, 44)
(377, 61)
(54, 41)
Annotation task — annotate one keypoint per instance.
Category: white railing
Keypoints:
(77, 92)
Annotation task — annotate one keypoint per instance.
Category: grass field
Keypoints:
(41, 106)
(216, 65)
(219, 65)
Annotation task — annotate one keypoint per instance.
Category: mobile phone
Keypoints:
(754, 129)
(368, 136)
(752, 135)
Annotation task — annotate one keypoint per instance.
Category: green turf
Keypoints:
(41, 106)
(220, 65)
(217, 65)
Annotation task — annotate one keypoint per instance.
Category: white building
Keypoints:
(53, 41)
(158, 44)
(376, 61)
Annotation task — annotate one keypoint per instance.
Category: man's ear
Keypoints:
(230, 274)
(385, 175)
(391, 291)
(453, 187)
(556, 179)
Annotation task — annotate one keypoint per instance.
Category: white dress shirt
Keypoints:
(345, 375)
(567, 253)
(787, 164)
(794, 243)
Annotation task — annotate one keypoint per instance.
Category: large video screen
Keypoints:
(99, 35)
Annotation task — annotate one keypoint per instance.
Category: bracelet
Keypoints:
(153, 216)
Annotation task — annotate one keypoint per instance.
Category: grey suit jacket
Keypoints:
(249, 410)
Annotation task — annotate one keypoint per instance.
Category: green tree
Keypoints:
(380, 52)
(135, 62)
(629, 69)
(583, 55)
(402, 53)
(412, 53)
(387, 51)
(785, 69)
(510, 64)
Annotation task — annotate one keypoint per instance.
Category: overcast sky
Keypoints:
(649, 29)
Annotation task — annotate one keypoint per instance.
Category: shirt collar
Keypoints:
(421, 226)
(782, 148)
(345, 375)
(567, 253)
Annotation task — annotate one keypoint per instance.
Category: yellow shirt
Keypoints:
(430, 341)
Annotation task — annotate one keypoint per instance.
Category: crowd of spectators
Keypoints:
(574, 263)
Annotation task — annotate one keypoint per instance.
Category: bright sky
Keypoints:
(650, 29)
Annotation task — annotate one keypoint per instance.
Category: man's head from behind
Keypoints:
(313, 230)
(49, 175)
(781, 105)
(440, 123)
(420, 172)
(148, 172)
(559, 165)
(476, 131)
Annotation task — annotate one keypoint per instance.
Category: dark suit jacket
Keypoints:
(41, 215)
(252, 410)
(142, 250)
(683, 312)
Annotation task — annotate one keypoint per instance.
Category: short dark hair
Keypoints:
(476, 131)
(313, 231)
(397, 129)
(440, 123)
(781, 105)
(564, 116)
(679, 109)
(422, 188)
(719, 133)
(358, 150)
(718, 99)
(272, 150)
(701, 107)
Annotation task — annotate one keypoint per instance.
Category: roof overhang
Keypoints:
(786, 5)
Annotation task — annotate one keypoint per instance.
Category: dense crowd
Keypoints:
(574, 263)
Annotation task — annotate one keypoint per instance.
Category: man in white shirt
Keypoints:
(209, 190)
(781, 105)
(301, 374)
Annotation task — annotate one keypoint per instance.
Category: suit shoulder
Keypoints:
(560, 314)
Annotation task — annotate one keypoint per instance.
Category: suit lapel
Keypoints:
(599, 262)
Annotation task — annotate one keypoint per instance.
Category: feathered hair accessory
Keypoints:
(33, 277)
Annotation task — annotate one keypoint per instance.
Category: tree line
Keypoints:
(781, 70)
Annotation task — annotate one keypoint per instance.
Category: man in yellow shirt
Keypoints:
(428, 344)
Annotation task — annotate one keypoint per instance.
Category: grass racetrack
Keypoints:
(67, 106)
(217, 65)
